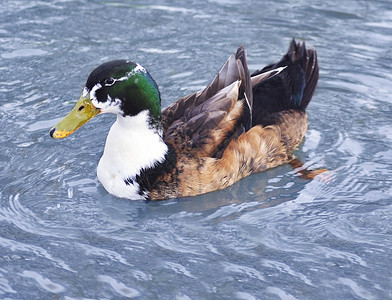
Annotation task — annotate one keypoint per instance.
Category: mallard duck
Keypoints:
(241, 123)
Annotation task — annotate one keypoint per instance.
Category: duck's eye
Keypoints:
(109, 81)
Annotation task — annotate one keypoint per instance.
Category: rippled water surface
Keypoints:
(272, 235)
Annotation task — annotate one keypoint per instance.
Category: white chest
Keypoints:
(131, 146)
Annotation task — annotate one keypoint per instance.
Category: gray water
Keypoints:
(270, 236)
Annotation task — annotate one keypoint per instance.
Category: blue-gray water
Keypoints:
(270, 236)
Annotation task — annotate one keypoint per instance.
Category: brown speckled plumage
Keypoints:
(238, 125)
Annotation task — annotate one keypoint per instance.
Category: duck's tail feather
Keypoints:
(245, 91)
(307, 60)
(292, 88)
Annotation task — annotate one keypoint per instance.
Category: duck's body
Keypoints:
(238, 125)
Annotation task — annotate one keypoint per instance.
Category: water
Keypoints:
(272, 235)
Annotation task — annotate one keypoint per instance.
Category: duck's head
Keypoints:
(121, 87)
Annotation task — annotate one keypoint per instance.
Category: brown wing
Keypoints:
(231, 71)
(199, 122)
(201, 129)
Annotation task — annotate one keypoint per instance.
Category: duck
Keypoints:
(241, 123)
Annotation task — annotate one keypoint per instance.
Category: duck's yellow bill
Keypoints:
(83, 111)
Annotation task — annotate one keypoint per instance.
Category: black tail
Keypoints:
(293, 88)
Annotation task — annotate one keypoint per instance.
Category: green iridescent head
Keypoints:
(121, 87)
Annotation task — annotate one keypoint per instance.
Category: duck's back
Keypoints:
(238, 125)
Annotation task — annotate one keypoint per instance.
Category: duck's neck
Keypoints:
(133, 145)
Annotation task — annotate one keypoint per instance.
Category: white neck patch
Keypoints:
(131, 145)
